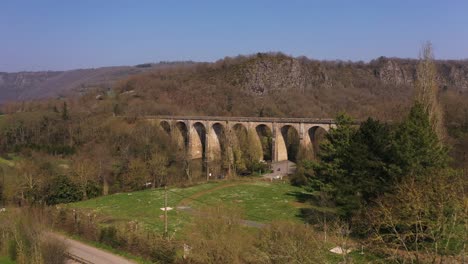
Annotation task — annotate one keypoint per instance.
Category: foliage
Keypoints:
(427, 91)
(333, 168)
(108, 236)
(424, 220)
(362, 164)
(417, 147)
(129, 237)
(23, 238)
(218, 237)
(286, 242)
(62, 190)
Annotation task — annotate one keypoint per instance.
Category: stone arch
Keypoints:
(246, 144)
(198, 141)
(217, 141)
(181, 135)
(240, 133)
(166, 126)
(289, 142)
(265, 135)
(316, 136)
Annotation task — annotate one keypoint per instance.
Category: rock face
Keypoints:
(392, 72)
(458, 77)
(452, 74)
(274, 74)
(266, 73)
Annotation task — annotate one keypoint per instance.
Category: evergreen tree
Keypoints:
(370, 162)
(333, 150)
(61, 190)
(417, 145)
(65, 111)
(332, 175)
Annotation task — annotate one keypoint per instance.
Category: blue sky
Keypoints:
(58, 35)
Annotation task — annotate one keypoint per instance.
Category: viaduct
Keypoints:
(205, 137)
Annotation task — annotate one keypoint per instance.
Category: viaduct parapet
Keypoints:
(207, 136)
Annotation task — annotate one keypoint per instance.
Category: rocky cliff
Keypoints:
(265, 72)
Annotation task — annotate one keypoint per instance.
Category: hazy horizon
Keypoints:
(55, 35)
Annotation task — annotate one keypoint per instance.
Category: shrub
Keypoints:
(108, 236)
(53, 251)
(62, 190)
(12, 250)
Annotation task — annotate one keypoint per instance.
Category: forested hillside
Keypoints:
(274, 84)
(278, 85)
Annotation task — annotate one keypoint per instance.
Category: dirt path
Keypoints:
(82, 253)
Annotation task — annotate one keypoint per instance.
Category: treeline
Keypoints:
(55, 153)
(54, 156)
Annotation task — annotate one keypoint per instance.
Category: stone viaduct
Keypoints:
(205, 137)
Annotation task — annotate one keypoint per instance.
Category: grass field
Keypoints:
(260, 202)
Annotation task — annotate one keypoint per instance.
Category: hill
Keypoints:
(278, 85)
(22, 86)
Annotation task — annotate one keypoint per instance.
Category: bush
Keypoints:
(53, 251)
(93, 190)
(62, 190)
(108, 236)
(284, 242)
(12, 250)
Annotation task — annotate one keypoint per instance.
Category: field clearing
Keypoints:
(260, 202)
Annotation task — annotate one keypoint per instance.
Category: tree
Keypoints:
(417, 147)
(2, 186)
(31, 179)
(157, 169)
(427, 90)
(84, 172)
(423, 220)
(362, 167)
(136, 177)
(334, 162)
(62, 190)
(101, 155)
(370, 161)
(65, 115)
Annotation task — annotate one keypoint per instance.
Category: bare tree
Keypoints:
(83, 171)
(157, 168)
(427, 90)
(422, 221)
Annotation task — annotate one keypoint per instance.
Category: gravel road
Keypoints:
(82, 253)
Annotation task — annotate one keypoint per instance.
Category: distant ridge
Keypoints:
(20, 86)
